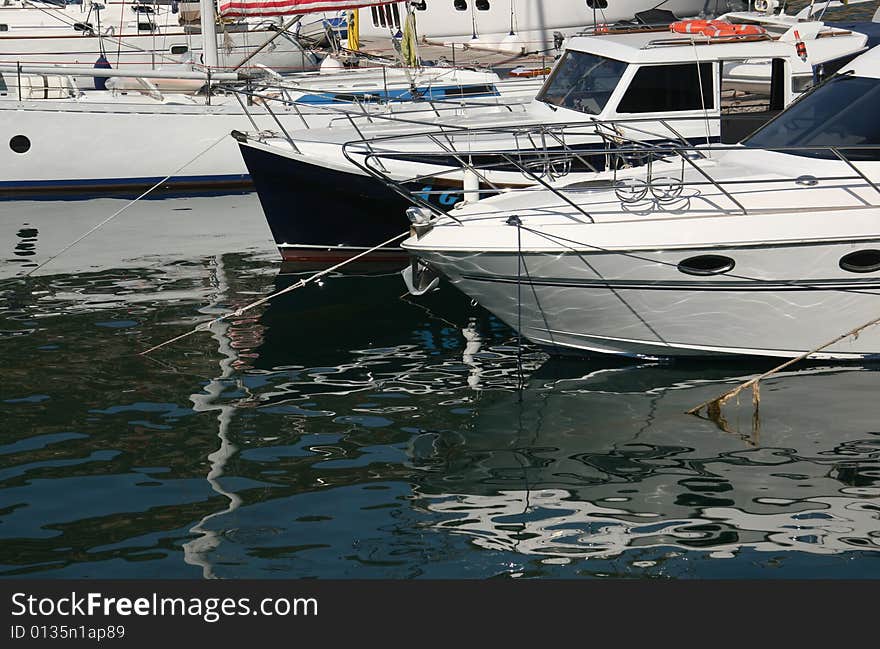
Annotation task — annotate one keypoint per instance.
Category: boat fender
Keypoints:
(102, 64)
(419, 279)
(800, 47)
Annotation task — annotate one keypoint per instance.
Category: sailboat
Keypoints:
(140, 34)
(138, 134)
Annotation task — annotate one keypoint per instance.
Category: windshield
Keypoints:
(838, 113)
(582, 82)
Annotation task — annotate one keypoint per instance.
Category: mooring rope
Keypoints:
(713, 406)
(125, 207)
(303, 282)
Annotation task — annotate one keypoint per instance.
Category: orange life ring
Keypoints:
(689, 26)
(715, 28)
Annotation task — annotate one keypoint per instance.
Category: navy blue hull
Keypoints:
(317, 212)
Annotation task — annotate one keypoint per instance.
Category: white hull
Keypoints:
(532, 21)
(121, 135)
(617, 281)
(566, 305)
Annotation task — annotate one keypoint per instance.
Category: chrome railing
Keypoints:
(547, 164)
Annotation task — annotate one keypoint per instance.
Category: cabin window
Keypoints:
(704, 265)
(20, 143)
(3, 88)
(597, 4)
(464, 91)
(179, 49)
(482, 5)
(801, 83)
(839, 113)
(669, 88)
(460, 5)
(752, 91)
(582, 82)
(861, 261)
(4, 28)
(419, 6)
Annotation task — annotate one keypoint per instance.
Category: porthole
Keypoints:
(460, 5)
(482, 5)
(706, 265)
(861, 261)
(177, 50)
(597, 4)
(20, 144)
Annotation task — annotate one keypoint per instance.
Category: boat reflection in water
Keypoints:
(607, 465)
(345, 431)
(592, 461)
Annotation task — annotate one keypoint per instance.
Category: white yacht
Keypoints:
(639, 84)
(770, 247)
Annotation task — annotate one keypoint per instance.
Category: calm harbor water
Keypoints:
(348, 431)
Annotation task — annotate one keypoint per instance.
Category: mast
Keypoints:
(209, 33)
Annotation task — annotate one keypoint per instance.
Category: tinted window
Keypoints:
(582, 82)
(838, 113)
(659, 88)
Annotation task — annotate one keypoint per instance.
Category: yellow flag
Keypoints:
(354, 37)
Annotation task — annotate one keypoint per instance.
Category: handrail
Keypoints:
(517, 162)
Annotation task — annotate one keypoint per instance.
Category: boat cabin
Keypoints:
(709, 87)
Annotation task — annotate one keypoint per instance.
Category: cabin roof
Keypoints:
(663, 46)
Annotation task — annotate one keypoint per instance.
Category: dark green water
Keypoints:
(346, 431)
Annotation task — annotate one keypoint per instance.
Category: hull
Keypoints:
(316, 212)
(610, 303)
(534, 21)
(134, 141)
(117, 150)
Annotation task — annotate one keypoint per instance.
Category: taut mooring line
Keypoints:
(713, 406)
(125, 207)
(206, 325)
